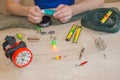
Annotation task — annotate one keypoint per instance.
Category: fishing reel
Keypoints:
(18, 52)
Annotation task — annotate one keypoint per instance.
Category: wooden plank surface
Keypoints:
(43, 68)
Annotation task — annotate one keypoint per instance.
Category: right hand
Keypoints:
(34, 14)
(63, 13)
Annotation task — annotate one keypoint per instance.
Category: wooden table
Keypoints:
(43, 68)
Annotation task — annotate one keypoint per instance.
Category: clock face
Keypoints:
(22, 57)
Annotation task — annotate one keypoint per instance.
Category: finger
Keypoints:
(65, 19)
(60, 7)
(31, 11)
(34, 21)
(59, 10)
(37, 9)
(62, 15)
(57, 13)
(34, 17)
(35, 12)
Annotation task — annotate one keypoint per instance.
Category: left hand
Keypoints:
(63, 13)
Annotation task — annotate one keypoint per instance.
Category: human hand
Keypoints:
(34, 14)
(63, 13)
